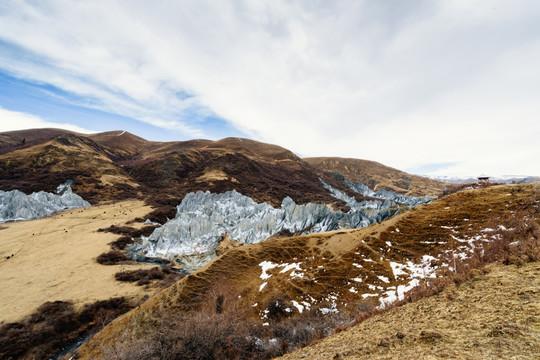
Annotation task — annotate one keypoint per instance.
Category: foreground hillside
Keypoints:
(492, 316)
(337, 272)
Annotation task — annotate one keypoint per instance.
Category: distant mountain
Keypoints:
(506, 179)
(118, 165)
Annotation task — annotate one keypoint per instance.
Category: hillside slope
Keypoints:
(341, 268)
(46, 165)
(492, 316)
(377, 175)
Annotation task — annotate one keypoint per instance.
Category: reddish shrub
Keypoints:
(43, 334)
(113, 257)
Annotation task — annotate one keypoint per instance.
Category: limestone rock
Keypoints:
(16, 205)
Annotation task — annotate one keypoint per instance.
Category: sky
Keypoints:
(430, 87)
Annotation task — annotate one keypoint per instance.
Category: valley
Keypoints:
(288, 249)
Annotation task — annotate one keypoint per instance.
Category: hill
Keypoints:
(492, 316)
(118, 165)
(329, 272)
(376, 175)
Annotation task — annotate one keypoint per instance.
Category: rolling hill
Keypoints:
(369, 267)
(278, 284)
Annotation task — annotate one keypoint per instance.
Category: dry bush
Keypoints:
(113, 257)
(130, 231)
(141, 276)
(121, 243)
(43, 334)
(222, 327)
(277, 306)
(145, 276)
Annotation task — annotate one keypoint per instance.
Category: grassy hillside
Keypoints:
(377, 175)
(343, 270)
(492, 316)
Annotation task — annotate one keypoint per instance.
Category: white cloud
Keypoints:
(14, 120)
(403, 83)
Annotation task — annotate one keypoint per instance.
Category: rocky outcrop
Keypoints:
(382, 194)
(203, 218)
(16, 205)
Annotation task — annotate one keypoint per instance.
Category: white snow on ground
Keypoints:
(368, 295)
(297, 271)
(293, 274)
(298, 306)
(265, 266)
(397, 269)
(262, 286)
(408, 274)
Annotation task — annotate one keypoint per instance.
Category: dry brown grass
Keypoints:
(490, 316)
(55, 259)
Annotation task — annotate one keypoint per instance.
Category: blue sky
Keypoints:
(439, 88)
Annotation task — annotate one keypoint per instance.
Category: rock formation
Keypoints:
(16, 205)
(203, 218)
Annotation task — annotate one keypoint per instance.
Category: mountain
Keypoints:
(377, 176)
(118, 165)
(343, 269)
(272, 242)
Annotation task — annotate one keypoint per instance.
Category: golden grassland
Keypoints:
(54, 258)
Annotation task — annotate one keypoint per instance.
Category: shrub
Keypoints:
(121, 243)
(43, 334)
(113, 257)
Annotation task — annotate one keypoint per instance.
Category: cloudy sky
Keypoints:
(430, 87)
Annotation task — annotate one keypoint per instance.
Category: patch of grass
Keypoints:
(121, 243)
(129, 231)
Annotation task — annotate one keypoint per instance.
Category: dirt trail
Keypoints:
(54, 259)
